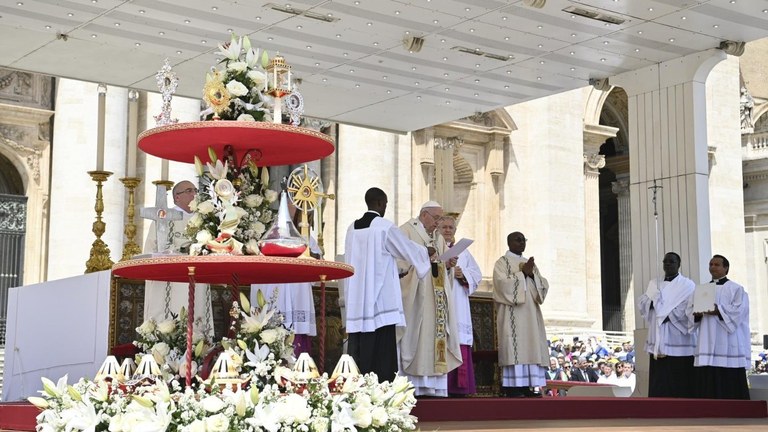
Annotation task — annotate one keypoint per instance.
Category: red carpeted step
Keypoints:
(479, 409)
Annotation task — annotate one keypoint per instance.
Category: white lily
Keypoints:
(231, 51)
(252, 57)
(217, 171)
(258, 355)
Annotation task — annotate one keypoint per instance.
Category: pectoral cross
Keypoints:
(162, 215)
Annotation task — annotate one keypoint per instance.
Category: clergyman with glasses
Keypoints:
(162, 299)
(518, 291)
(429, 344)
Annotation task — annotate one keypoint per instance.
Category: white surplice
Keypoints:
(372, 294)
(461, 295)
(668, 324)
(725, 342)
(294, 300)
(155, 296)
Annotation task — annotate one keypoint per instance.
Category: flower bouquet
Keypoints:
(231, 209)
(166, 341)
(273, 397)
(237, 91)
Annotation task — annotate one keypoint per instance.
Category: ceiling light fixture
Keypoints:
(305, 13)
(538, 4)
(594, 15)
(480, 53)
(413, 44)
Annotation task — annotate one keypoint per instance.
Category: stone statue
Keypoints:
(747, 104)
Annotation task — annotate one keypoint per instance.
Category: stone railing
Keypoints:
(755, 145)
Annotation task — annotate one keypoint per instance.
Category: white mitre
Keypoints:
(431, 204)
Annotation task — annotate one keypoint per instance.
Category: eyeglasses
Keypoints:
(187, 190)
(520, 239)
(434, 217)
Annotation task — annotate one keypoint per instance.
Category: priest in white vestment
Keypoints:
(466, 278)
(671, 341)
(297, 304)
(723, 353)
(374, 307)
(161, 299)
(429, 344)
(518, 291)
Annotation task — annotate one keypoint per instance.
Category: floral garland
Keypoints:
(237, 91)
(271, 397)
(232, 208)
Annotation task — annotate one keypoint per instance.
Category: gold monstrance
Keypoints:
(306, 191)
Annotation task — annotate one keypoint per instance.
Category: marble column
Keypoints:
(668, 147)
(594, 136)
(592, 164)
(621, 188)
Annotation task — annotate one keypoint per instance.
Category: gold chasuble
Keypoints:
(429, 344)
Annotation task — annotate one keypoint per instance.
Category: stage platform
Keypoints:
(498, 414)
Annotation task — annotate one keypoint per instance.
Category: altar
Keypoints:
(55, 328)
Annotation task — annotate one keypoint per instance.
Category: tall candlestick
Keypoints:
(164, 170)
(102, 89)
(133, 126)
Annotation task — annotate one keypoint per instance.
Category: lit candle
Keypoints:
(133, 126)
(164, 169)
(102, 89)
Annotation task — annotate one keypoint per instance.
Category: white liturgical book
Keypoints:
(704, 297)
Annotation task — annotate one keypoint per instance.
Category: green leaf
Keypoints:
(212, 155)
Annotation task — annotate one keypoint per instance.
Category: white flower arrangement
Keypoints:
(167, 342)
(231, 209)
(237, 91)
(272, 398)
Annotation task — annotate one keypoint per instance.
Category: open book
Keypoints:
(704, 297)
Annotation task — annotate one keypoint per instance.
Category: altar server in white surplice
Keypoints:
(297, 304)
(723, 354)
(670, 342)
(163, 298)
(518, 291)
(429, 345)
(374, 306)
(466, 278)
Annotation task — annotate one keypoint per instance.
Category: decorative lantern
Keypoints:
(110, 370)
(304, 369)
(148, 369)
(225, 373)
(128, 367)
(345, 368)
(279, 79)
(279, 75)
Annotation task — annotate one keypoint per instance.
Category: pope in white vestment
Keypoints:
(429, 344)
(518, 291)
(164, 298)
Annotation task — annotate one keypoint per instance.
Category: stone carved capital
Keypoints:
(620, 187)
(593, 162)
(315, 124)
(448, 143)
